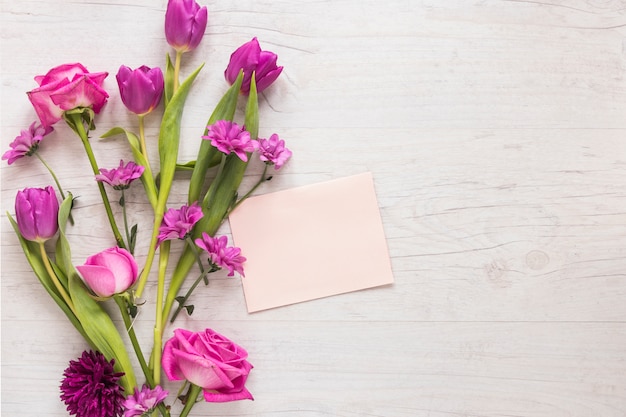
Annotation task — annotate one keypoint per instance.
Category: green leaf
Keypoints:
(147, 178)
(188, 166)
(63, 254)
(208, 155)
(133, 239)
(169, 138)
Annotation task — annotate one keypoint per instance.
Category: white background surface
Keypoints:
(495, 131)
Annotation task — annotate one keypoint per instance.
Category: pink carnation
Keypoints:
(273, 151)
(220, 255)
(27, 142)
(177, 223)
(121, 177)
(229, 137)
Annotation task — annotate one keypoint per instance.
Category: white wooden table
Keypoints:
(496, 134)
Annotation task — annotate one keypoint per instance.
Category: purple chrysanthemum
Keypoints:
(26, 143)
(229, 137)
(273, 151)
(220, 255)
(177, 223)
(90, 387)
(143, 401)
(120, 178)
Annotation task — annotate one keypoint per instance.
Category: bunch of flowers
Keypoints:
(102, 381)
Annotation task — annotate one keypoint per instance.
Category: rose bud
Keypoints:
(141, 89)
(250, 58)
(109, 272)
(210, 361)
(36, 212)
(185, 23)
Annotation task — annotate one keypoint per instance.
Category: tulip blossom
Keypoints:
(67, 87)
(90, 387)
(120, 178)
(272, 151)
(250, 58)
(109, 272)
(220, 255)
(141, 89)
(143, 401)
(36, 213)
(177, 223)
(229, 137)
(210, 361)
(27, 143)
(185, 23)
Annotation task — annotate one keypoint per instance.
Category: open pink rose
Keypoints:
(109, 272)
(64, 88)
(210, 361)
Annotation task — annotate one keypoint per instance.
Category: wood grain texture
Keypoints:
(495, 131)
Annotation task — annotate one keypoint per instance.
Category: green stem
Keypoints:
(177, 70)
(187, 295)
(143, 278)
(126, 221)
(55, 279)
(249, 193)
(80, 129)
(192, 396)
(56, 181)
(164, 253)
(121, 302)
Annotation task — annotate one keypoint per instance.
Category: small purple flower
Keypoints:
(250, 58)
(141, 89)
(185, 23)
(90, 387)
(121, 177)
(220, 255)
(273, 151)
(177, 224)
(144, 401)
(26, 143)
(229, 137)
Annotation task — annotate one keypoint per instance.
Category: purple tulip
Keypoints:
(185, 23)
(36, 212)
(109, 272)
(250, 58)
(141, 89)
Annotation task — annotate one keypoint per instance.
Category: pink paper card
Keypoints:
(311, 242)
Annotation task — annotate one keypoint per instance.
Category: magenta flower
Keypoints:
(250, 58)
(220, 255)
(141, 89)
(229, 137)
(27, 142)
(36, 213)
(67, 87)
(90, 387)
(210, 361)
(177, 224)
(143, 401)
(273, 151)
(109, 272)
(185, 23)
(121, 177)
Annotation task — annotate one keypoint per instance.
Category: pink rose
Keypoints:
(64, 88)
(210, 361)
(109, 272)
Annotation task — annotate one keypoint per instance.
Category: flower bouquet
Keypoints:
(102, 381)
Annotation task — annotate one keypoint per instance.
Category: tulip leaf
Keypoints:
(208, 155)
(168, 90)
(169, 138)
(140, 159)
(63, 254)
(33, 257)
(101, 330)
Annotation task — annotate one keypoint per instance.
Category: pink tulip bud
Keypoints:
(109, 272)
(36, 212)
(185, 23)
(250, 58)
(140, 89)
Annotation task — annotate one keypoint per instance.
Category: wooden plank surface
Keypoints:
(496, 134)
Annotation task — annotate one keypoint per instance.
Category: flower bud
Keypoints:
(140, 89)
(185, 23)
(250, 58)
(109, 272)
(36, 212)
